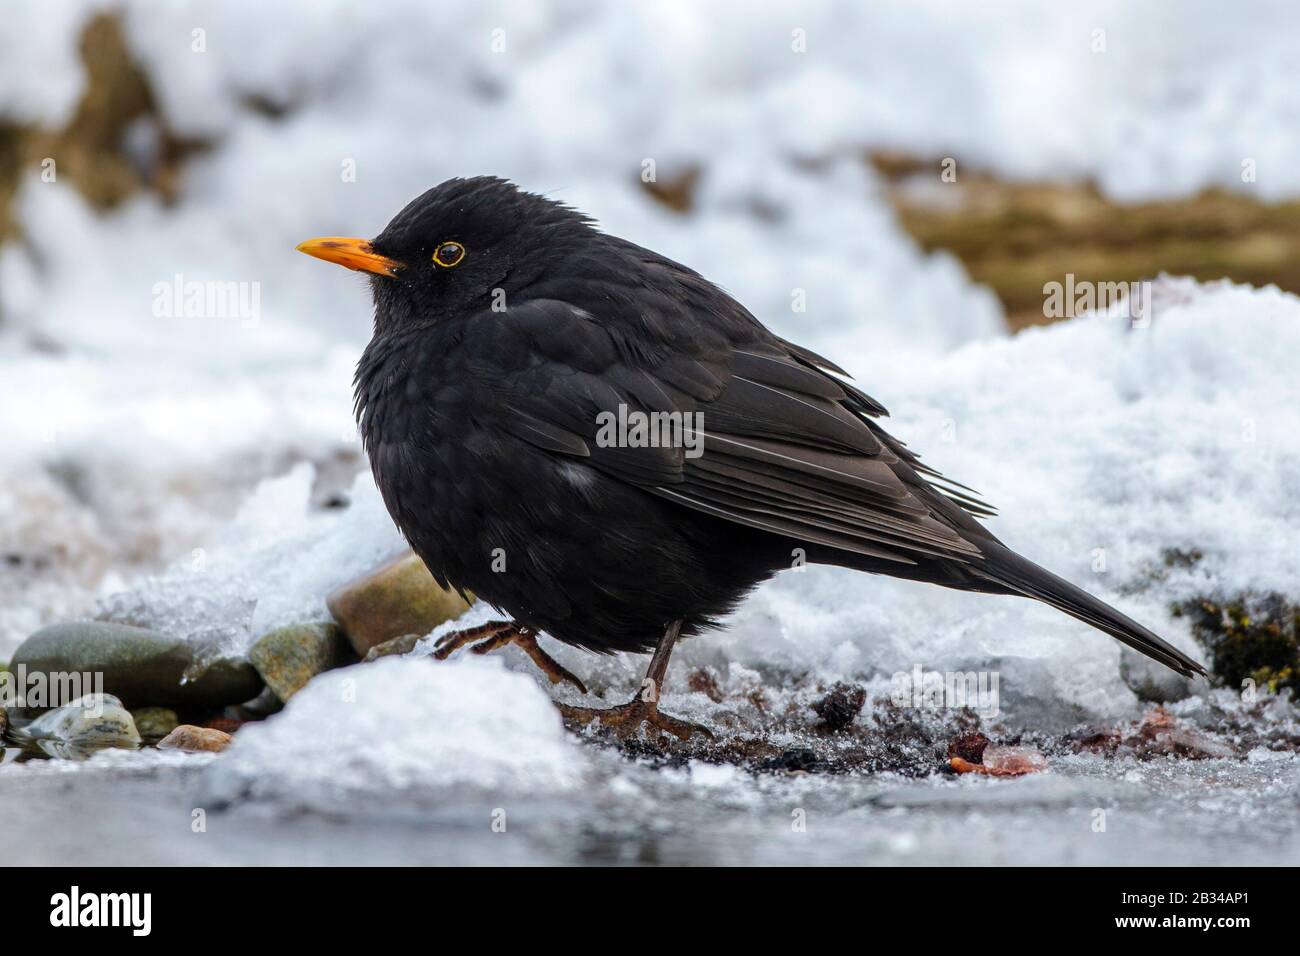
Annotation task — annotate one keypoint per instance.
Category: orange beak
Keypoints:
(350, 253)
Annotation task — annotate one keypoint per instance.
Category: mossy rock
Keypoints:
(289, 657)
(154, 723)
(1252, 637)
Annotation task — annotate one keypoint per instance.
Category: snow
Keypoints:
(581, 88)
(272, 566)
(1104, 447)
(43, 76)
(164, 467)
(398, 728)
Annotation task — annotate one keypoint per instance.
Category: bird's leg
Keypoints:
(497, 634)
(453, 641)
(626, 719)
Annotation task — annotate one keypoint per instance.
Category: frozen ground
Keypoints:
(171, 468)
(1085, 811)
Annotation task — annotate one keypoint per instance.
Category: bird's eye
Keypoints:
(448, 254)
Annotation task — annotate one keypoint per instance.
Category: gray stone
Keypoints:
(140, 666)
(259, 708)
(89, 724)
(1152, 681)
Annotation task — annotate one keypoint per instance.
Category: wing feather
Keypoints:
(788, 446)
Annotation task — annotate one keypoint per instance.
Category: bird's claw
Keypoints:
(626, 720)
(497, 634)
(450, 643)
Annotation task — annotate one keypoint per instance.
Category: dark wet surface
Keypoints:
(151, 808)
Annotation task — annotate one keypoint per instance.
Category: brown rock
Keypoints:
(1013, 761)
(841, 706)
(1003, 762)
(703, 682)
(227, 725)
(288, 657)
(398, 598)
(969, 747)
(193, 739)
(398, 645)
(1160, 733)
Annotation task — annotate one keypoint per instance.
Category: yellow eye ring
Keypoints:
(448, 254)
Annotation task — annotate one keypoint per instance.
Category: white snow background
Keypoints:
(145, 438)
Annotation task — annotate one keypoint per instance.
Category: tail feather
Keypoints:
(1022, 576)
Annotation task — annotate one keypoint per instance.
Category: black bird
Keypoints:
(510, 338)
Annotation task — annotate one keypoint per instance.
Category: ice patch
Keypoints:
(403, 728)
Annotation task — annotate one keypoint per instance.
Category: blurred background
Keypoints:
(879, 181)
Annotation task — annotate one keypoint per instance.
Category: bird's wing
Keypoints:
(786, 446)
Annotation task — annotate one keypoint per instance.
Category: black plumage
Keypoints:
(479, 400)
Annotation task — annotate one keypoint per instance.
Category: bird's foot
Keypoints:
(497, 634)
(627, 719)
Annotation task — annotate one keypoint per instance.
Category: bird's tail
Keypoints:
(1022, 576)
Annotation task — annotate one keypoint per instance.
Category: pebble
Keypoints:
(154, 723)
(79, 729)
(1002, 762)
(398, 598)
(288, 657)
(193, 739)
(398, 645)
(839, 708)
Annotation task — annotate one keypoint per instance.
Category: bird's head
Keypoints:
(463, 245)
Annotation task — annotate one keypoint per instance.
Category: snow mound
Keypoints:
(398, 727)
(273, 565)
(1108, 450)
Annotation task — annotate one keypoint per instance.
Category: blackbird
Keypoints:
(607, 447)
